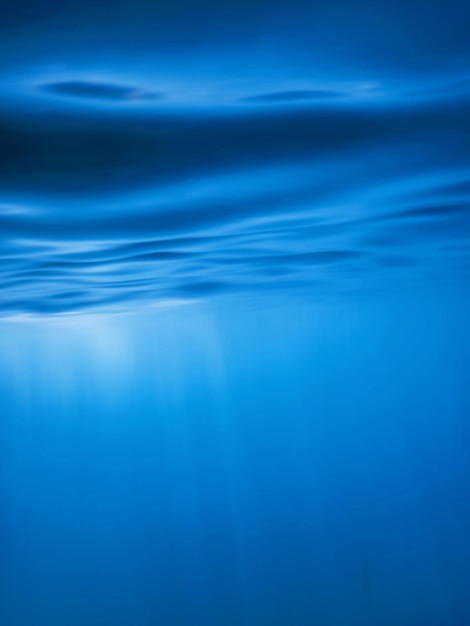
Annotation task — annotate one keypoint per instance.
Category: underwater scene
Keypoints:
(234, 313)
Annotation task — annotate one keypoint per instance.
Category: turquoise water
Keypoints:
(234, 303)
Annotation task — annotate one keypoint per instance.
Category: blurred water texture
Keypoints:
(234, 338)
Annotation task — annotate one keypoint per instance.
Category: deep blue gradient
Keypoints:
(234, 304)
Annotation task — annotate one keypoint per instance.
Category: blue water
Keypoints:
(234, 304)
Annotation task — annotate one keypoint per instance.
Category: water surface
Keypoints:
(234, 340)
